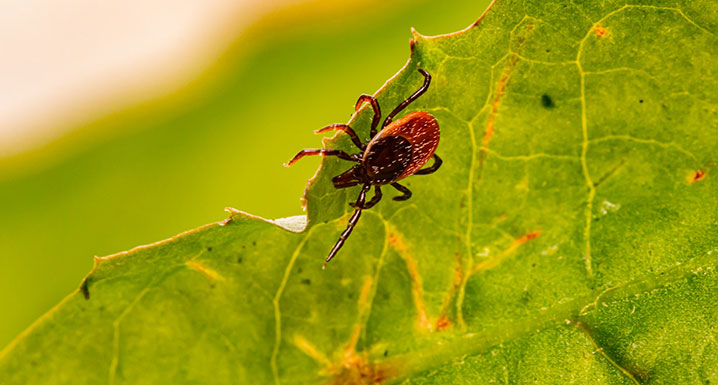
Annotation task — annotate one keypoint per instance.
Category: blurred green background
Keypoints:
(164, 167)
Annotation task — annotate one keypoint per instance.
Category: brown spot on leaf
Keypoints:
(529, 236)
(358, 370)
(600, 31)
(443, 323)
(698, 176)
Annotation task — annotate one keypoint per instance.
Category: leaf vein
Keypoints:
(116, 332)
(277, 313)
(599, 349)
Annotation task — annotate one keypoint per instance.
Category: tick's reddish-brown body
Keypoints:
(399, 150)
(421, 132)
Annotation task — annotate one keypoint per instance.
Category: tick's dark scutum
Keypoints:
(386, 159)
(421, 130)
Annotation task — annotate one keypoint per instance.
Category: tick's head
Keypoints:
(351, 177)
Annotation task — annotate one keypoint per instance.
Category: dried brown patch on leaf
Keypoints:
(493, 262)
(359, 370)
(209, 273)
(600, 31)
(444, 322)
(396, 242)
(698, 176)
(363, 307)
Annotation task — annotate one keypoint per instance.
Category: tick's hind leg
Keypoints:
(325, 152)
(375, 107)
(352, 222)
(374, 200)
(348, 130)
(402, 189)
(432, 169)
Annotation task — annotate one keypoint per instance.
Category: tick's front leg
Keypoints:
(324, 152)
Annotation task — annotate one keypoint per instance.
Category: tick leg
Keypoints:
(346, 185)
(414, 96)
(352, 222)
(325, 152)
(347, 179)
(402, 189)
(375, 107)
(374, 200)
(432, 169)
(348, 130)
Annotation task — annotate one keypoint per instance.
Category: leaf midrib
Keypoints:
(565, 313)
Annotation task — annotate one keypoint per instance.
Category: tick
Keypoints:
(397, 151)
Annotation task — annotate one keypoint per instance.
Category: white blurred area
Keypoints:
(63, 62)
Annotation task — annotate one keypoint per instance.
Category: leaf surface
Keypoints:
(569, 237)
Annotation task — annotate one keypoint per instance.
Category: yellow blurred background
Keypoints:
(125, 122)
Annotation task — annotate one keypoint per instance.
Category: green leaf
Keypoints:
(569, 237)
